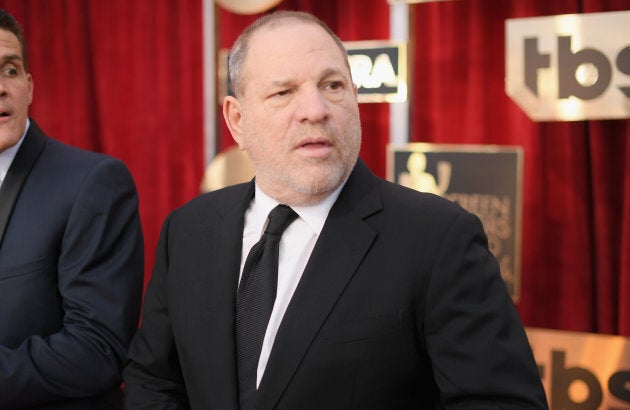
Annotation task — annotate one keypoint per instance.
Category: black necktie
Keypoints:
(255, 299)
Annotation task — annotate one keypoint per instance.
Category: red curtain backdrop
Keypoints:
(576, 219)
(125, 77)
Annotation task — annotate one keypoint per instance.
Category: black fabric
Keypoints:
(255, 299)
(400, 306)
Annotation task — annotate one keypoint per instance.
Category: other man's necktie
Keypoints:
(255, 299)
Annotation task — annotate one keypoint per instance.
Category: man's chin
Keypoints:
(8, 141)
(321, 181)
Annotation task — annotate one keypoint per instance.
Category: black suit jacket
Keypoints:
(71, 267)
(401, 306)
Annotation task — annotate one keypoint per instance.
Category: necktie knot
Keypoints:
(280, 218)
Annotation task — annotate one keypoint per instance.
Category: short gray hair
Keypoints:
(241, 45)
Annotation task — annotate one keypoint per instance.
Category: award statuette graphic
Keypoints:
(484, 179)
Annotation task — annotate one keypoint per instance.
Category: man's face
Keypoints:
(16, 91)
(298, 116)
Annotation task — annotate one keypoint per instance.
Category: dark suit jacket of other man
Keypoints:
(401, 306)
(71, 267)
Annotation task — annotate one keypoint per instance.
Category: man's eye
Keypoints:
(282, 93)
(335, 85)
(10, 72)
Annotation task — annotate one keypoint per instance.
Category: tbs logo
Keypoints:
(570, 67)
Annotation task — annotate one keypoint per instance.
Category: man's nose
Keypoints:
(312, 105)
(3, 87)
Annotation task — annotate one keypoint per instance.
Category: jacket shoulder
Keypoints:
(412, 202)
(221, 202)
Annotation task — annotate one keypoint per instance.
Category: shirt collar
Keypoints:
(6, 156)
(314, 215)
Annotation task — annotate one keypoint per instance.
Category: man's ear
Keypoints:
(232, 115)
(31, 87)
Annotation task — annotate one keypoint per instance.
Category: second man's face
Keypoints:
(16, 91)
(298, 117)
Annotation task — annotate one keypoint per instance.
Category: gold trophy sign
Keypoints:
(485, 180)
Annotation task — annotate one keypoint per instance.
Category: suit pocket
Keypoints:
(363, 328)
(10, 272)
(30, 301)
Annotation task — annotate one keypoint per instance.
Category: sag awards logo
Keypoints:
(485, 182)
(570, 67)
(416, 177)
(379, 69)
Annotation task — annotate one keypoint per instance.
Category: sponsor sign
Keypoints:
(379, 69)
(485, 180)
(583, 371)
(569, 67)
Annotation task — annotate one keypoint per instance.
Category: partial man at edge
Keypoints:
(71, 257)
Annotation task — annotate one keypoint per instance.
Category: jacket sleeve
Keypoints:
(152, 375)
(100, 276)
(479, 351)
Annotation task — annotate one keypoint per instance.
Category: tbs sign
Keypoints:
(583, 371)
(379, 69)
(570, 67)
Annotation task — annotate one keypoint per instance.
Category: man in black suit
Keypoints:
(71, 257)
(387, 298)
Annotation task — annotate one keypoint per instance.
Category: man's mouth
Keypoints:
(315, 147)
(314, 144)
(4, 114)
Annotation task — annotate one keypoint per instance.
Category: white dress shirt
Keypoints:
(6, 156)
(296, 245)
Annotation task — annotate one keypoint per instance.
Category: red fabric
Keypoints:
(575, 246)
(125, 78)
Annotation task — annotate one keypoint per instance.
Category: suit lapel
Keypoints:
(21, 166)
(218, 267)
(342, 245)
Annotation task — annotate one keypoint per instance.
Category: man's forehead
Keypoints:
(9, 40)
(299, 28)
(287, 38)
